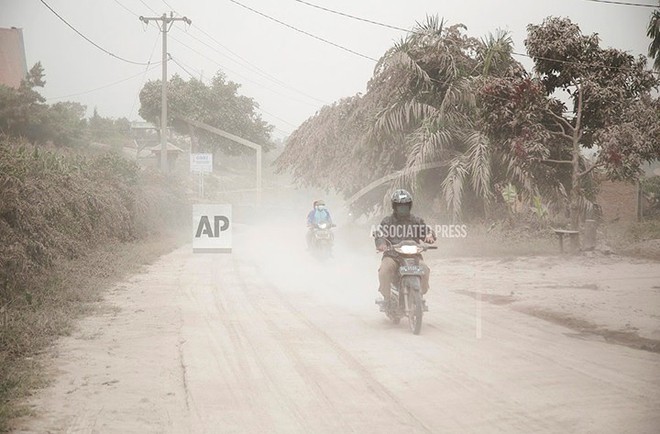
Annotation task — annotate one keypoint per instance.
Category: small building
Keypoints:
(173, 153)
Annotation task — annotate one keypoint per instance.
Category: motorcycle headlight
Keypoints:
(323, 225)
(408, 250)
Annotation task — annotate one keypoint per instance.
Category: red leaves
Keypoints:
(613, 156)
(518, 147)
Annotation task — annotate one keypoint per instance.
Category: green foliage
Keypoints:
(539, 209)
(510, 194)
(217, 104)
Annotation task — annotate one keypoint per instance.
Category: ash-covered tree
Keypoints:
(66, 124)
(115, 132)
(217, 104)
(653, 32)
(22, 109)
(610, 108)
(419, 111)
(24, 113)
(430, 79)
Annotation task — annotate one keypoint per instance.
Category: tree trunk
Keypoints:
(575, 178)
(194, 142)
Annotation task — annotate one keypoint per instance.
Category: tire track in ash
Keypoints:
(234, 395)
(302, 339)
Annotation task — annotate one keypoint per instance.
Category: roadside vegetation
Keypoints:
(70, 223)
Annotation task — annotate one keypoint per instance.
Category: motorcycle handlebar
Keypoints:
(393, 246)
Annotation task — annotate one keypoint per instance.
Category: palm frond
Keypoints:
(495, 51)
(452, 186)
(426, 146)
(433, 25)
(401, 58)
(653, 32)
(404, 115)
(459, 94)
(479, 160)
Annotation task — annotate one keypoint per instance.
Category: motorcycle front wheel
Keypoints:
(416, 312)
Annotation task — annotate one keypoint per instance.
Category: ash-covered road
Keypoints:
(267, 340)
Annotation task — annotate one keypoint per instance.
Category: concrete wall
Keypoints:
(618, 201)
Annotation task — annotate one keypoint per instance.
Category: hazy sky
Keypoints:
(298, 74)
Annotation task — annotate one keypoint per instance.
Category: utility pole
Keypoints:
(164, 24)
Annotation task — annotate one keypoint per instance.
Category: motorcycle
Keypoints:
(322, 239)
(406, 290)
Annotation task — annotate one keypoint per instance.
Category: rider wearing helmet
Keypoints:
(318, 214)
(399, 226)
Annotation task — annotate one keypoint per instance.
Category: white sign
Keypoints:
(202, 163)
(212, 227)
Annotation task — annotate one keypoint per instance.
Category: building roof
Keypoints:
(170, 148)
(136, 125)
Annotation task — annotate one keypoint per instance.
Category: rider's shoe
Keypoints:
(381, 304)
(425, 308)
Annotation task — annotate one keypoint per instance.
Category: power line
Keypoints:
(246, 63)
(303, 31)
(512, 52)
(238, 74)
(261, 71)
(144, 78)
(152, 66)
(171, 8)
(89, 40)
(148, 7)
(573, 62)
(186, 68)
(642, 5)
(343, 14)
(181, 66)
(256, 69)
(125, 8)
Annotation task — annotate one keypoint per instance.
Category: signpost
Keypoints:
(212, 228)
(201, 164)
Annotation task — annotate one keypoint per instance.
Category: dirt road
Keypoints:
(267, 340)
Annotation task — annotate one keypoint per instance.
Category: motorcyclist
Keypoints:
(318, 214)
(399, 226)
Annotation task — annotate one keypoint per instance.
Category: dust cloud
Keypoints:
(270, 339)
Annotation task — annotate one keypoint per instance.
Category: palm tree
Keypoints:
(436, 72)
(653, 32)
